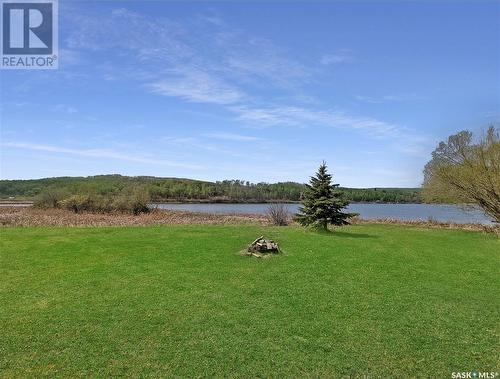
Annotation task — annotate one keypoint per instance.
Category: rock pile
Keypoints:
(262, 247)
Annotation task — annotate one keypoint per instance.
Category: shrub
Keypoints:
(50, 198)
(77, 203)
(140, 203)
(135, 202)
(278, 214)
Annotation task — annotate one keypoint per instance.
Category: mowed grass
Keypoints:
(179, 301)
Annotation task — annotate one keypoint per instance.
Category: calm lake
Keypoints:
(437, 212)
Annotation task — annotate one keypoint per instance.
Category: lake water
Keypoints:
(424, 212)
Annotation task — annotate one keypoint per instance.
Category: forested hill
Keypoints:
(175, 189)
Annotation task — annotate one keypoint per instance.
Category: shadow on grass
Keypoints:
(342, 234)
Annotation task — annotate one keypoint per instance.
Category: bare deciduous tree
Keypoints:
(278, 214)
(464, 171)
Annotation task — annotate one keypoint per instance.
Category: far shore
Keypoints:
(13, 203)
(197, 201)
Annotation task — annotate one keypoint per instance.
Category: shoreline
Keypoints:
(271, 202)
(34, 217)
(26, 203)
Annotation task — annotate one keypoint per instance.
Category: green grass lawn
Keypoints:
(369, 301)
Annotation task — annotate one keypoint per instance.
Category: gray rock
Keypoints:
(261, 247)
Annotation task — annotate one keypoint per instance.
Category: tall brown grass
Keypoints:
(31, 216)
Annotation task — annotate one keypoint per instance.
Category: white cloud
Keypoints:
(389, 98)
(231, 137)
(260, 61)
(340, 56)
(97, 153)
(69, 57)
(399, 138)
(197, 86)
(302, 117)
(63, 108)
(17, 104)
(203, 60)
(194, 60)
(196, 144)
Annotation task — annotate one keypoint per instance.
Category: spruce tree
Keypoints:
(323, 202)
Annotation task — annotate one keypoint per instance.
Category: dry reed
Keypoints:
(30, 216)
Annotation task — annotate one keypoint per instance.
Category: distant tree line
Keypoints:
(174, 189)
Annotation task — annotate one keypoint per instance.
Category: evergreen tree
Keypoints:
(323, 202)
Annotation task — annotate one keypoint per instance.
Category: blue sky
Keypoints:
(261, 91)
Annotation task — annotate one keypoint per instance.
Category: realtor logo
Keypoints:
(29, 34)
